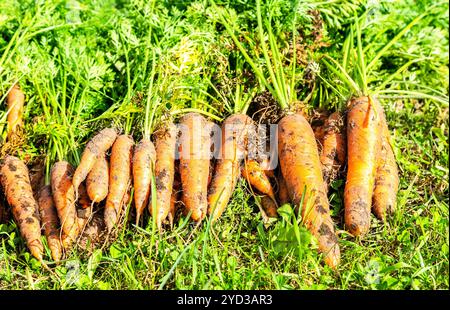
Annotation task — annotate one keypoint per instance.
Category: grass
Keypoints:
(87, 66)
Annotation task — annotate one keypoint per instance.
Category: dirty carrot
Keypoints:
(97, 181)
(15, 180)
(257, 178)
(15, 102)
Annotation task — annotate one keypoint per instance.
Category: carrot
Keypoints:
(84, 209)
(50, 221)
(15, 102)
(363, 139)
(235, 133)
(256, 177)
(194, 164)
(164, 171)
(174, 199)
(95, 148)
(300, 166)
(97, 181)
(119, 179)
(269, 206)
(265, 165)
(386, 179)
(333, 151)
(17, 188)
(143, 164)
(64, 198)
(283, 194)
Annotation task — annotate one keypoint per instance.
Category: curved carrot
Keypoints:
(194, 164)
(95, 148)
(256, 177)
(15, 101)
(143, 164)
(97, 181)
(119, 179)
(235, 133)
(300, 166)
(386, 179)
(50, 221)
(64, 198)
(165, 145)
(15, 180)
(363, 140)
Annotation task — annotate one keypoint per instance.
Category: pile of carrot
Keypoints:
(117, 179)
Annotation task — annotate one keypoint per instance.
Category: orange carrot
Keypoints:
(174, 199)
(265, 165)
(194, 164)
(235, 134)
(256, 177)
(143, 164)
(50, 221)
(119, 179)
(386, 179)
(15, 180)
(300, 166)
(333, 151)
(95, 148)
(363, 140)
(64, 198)
(97, 181)
(84, 209)
(15, 102)
(165, 145)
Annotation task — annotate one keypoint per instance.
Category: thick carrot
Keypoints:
(50, 221)
(194, 164)
(143, 164)
(15, 102)
(64, 198)
(363, 140)
(386, 179)
(257, 178)
(17, 188)
(283, 194)
(235, 134)
(300, 166)
(95, 148)
(333, 151)
(119, 179)
(97, 181)
(165, 145)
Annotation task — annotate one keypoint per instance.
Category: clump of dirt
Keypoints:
(265, 110)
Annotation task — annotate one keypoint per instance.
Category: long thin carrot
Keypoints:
(235, 134)
(143, 164)
(386, 179)
(15, 180)
(95, 148)
(50, 221)
(64, 198)
(333, 151)
(15, 102)
(97, 181)
(363, 141)
(165, 145)
(300, 166)
(194, 164)
(119, 179)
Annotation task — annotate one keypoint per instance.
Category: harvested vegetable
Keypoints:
(64, 198)
(257, 178)
(15, 102)
(143, 165)
(17, 188)
(363, 141)
(235, 133)
(119, 179)
(50, 221)
(97, 181)
(301, 169)
(194, 164)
